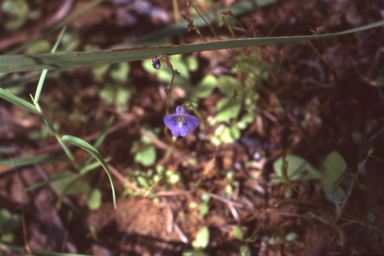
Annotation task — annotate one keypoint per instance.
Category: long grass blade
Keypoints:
(86, 146)
(17, 101)
(18, 162)
(20, 63)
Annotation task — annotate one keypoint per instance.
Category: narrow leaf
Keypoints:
(86, 146)
(17, 101)
(32, 160)
(20, 63)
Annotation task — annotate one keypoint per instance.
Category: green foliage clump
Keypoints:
(8, 223)
(329, 173)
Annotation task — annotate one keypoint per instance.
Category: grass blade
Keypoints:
(20, 63)
(46, 182)
(17, 101)
(32, 160)
(101, 138)
(86, 146)
(45, 71)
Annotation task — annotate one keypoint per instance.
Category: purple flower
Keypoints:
(181, 123)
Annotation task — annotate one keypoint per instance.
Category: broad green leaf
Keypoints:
(228, 85)
(291, 236)
(204, 87)
(5, 216)
(100, 70)
(122, 98)
(41, 46)
(86, 146)
(17, 101)
(246, 251)
(146, 156)
(202, 238)
(15, 24)
(15, 7)
(237, 232)
(18, 63)
(143, 182)
(332, 168)
(230, 134)
(192, 63)
(94, 200)
(7, 237)
(120, 71)
(32, 160)
(227, 108)
(298, 168)
(9, 221)
(203, 209)
(334, 193)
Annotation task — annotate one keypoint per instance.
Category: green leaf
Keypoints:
(227, 108)
(246, 251)
(94, 200)
(332, 168)
(146, 156)
(17, 101)
(41, 46)
(18, 63)
(107, 94)
(334, 193)
(204, 87)
(192, 63)
(203, 209)
(7, 237)
(100, 70)
(8, 221)
(202, 238)
(86, 146)
(298, 168)
(230, 134)
(15, 24)
(15, 7)
(291, 236)
(122, 97)
(143, 182)
(237, 232)
(228, 85)
(120, 71)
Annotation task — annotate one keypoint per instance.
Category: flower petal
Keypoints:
(191, 121)
(180, 110)
(184, 130)
(176, 130)
(171, 120)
